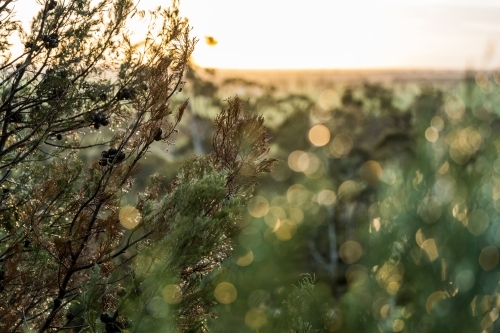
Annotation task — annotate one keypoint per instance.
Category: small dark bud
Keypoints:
(121, 292)
(158, 134)
(29, 45)
(27, 243)
(120, 156)
(16, 117)
(102, 97)
(57, 303)
(70, 316)
(103, 162)
(52, 5)
(50, 41)
(104, 154)
(59, 136)
(6, 190)
(112, 151)
(92, 117)
(105, 122)
(105, 318)
(96, 126)
(125, 93)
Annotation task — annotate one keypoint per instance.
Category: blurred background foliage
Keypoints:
(382, 215)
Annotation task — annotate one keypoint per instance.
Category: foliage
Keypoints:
(395, 213)
(300, 312)
(72, 256)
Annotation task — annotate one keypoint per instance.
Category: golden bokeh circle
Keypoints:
(286, 230)
(398, 325)
(225, 293)
(258, 206)
(477, 222)
(350, 252)
(327, 197)
(349, 191)
(255, 318)
(433, 299)
(371, 172)
(319, 135)
(329, 99)
(172, 293)
(488, 258)
(438, 123)
(341, 145)
(429, 246)
(129, 217)
(298, 161)
(245, 260)
(431, 134)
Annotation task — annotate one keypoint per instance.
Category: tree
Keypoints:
(72, 256)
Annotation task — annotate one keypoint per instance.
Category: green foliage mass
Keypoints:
(395, 215)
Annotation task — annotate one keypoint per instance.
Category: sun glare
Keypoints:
(263, 34)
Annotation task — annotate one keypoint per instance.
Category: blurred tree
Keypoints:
(72, 256)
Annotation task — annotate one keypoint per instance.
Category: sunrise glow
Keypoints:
(359, 34)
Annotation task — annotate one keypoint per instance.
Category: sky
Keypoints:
(334, 34)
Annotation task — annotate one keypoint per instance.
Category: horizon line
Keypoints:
(353, 69)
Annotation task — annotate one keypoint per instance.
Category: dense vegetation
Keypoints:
(380, 217)
(81, 108)
(391, 209)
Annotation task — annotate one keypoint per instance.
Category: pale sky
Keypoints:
(293, 34)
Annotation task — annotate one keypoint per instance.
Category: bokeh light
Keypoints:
(341, 145)
(298, 161)
(258, 206)
(225, 293)
(129, 217)
(286, 230)
(320, 115)
(172, 293)
(297, 194)
(477, 222)
(398, 325)
(488, 259)
(429, 246)
(356, 276)
(245, 260)
(274, 216)
(371, 172)
(350, 252)
(437, 123)
(349, 191)
(431, 134)
(255, 318)
(296, 214)
(327, 197)
(319, 135)
(329, 99)
(433, 300)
